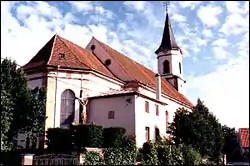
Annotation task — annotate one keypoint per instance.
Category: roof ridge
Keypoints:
(113, 58)
(60, 38)
(52, 49)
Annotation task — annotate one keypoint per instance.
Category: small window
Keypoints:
(166, 68)
(166, 119)
(157, 134)
(107, 62)
(111, 114)
(180, 67)
(61, 56)
(146, 106)
(157, 109)
(147, 131)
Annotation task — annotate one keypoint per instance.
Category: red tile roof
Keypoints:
(75, 56)
(136, 71)
(126, 69)
(244, 137)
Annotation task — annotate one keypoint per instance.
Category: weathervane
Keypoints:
(167, 3)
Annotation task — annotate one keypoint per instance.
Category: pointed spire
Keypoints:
(168, 40)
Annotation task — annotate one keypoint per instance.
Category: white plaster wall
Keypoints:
(171, 106)
(124, 112)
(89, 83)
(151, 120)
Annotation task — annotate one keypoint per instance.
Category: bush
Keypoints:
(59, 140)
(92, 158)
(191, 156)
(123, 155)
(88, 135)
(164, 155)
(113, 136)
(148, 154)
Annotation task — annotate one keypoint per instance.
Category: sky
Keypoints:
(214, 37)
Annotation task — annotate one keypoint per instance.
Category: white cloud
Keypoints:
(220, 43)
(138, 5)
(225, 92)
(189, 4)
(81, 6)
(207, 33)
(209, 15)
(220, 53)
(235, 24)
(234, 7)
(178, 18)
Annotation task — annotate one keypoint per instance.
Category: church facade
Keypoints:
(100, 85)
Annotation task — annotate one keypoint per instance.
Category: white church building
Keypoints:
(100, 85)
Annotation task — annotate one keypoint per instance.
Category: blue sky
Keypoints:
(213, 35)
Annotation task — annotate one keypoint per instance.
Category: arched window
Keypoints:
(166, 69)
(67, 108)
(180, 67)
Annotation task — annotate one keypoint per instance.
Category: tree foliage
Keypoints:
(22, 109)
(199, 129)
(231, 147)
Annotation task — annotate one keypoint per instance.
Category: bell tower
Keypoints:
(169, 57)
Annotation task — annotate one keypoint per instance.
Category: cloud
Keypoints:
(234, 7)
(225, 92)
(235, 24)
(189, 4)
(178, 18)
(209, 15)
(82, 6)
(207, 33)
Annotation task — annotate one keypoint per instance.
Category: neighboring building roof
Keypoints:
(244, 137)
(77, 57)
(168, 40)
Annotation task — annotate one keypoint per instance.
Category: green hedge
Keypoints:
(86, 135)
(59, 140)
(113, 136)
(92, 158)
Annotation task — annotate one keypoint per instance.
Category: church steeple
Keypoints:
(168, 40)
(169, 57)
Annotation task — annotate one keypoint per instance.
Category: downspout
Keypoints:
(55, 97)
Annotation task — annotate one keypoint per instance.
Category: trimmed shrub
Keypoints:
(92, 158)
(123, 155)
(148, 154)
(59, 140)
(86, 135)
(191, 156)
(164, 155)
(113, 136)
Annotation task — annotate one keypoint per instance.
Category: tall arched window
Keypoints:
(180, 67)
(166, 69)
(67, 108)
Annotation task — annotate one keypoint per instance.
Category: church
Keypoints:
(100, 85)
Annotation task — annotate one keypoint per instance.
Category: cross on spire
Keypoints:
(167, 3)
(168, 40)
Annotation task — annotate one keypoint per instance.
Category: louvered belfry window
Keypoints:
(67, 108)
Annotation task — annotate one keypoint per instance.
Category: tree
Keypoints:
(198, 128)
(22, 109)
(231, 147)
